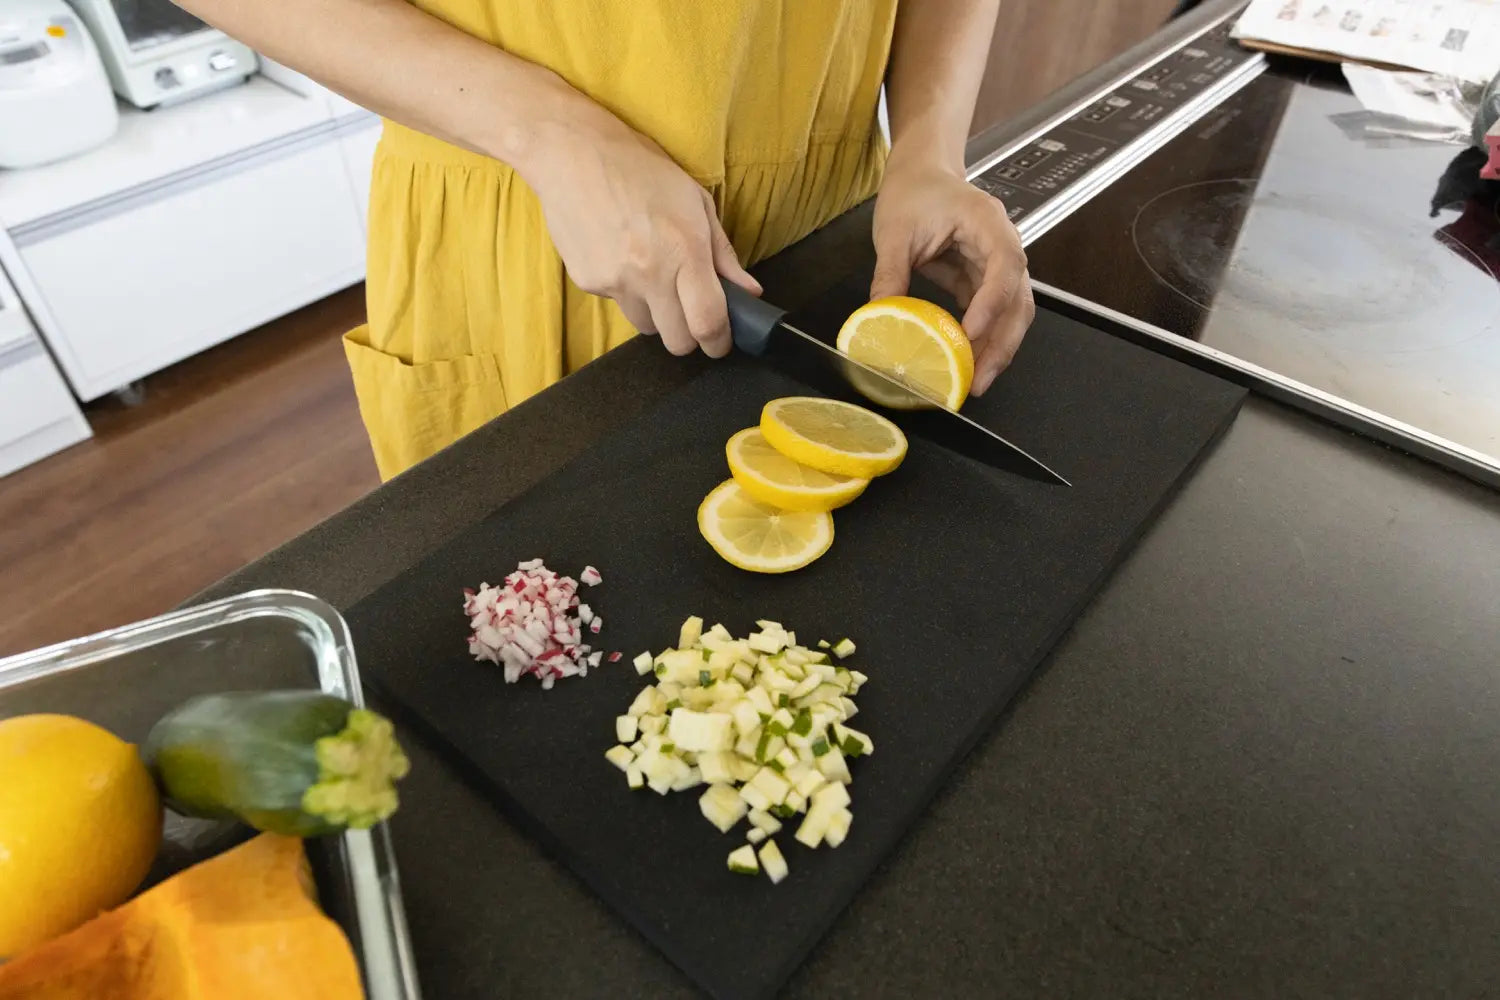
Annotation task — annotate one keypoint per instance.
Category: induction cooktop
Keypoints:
(1261, 225)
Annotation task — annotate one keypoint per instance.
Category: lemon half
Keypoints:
(917, 343)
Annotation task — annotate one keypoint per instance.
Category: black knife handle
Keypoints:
(751, 320)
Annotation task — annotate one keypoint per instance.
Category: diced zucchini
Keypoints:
(859, 681)
(717, 767)
(768, 746)
(806, 686)
(635, 776)
(744, 673)
(850, 709)
(824, 644)
(768, 642)
(787, 758)
(653, 724)
(820, 746)
(796, 801)
(803, 724)
(814, 828)
(797, 657)
(720, 633)
(746, 717)
(773, 862)
(692, 631)
(755, 836)
(781, 722)
(626, 728)
(742, 861)
(764, 821)
(644, 663)
(679, 666)
(688, 777)
(833, 766)
(644, 702)
(722, 806)
(855, 743)
(761, 699)
(744, 768)
(701, 731)
(619, 756)
(832, 796)
(844, 649)
(755, 798)
(665, 692)
(748, 741)
(772, 784)
(838, 827)
(811, 782)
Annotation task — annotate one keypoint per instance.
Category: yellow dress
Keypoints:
(770, 104)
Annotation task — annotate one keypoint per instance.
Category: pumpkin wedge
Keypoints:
(240, 926)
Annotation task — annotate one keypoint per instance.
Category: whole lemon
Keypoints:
(80, 823)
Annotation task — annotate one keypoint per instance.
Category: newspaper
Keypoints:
(1455, 38)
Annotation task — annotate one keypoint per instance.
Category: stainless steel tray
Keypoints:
(127, 678)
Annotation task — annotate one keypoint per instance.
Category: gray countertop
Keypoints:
(1262, 763)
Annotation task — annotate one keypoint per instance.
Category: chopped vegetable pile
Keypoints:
(762, 722)
(533, 624)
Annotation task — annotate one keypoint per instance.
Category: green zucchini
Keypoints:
(300, 763)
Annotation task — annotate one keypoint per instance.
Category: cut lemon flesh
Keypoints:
(833, 437)
(770, 477)
(758, 537)
(917, 343)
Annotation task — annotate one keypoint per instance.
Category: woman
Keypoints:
(556, 175)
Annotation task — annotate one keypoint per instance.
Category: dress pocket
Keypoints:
(413, 410)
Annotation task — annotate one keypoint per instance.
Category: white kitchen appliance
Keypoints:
(157, 53)
(55, 100)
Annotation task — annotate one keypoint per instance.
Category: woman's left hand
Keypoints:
(931, 219)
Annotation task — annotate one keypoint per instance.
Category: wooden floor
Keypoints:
(228, 455)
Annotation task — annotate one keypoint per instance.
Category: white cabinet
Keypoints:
(37, 413)
(149, 280)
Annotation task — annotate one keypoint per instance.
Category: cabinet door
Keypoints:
(145, 285)
(37, 413)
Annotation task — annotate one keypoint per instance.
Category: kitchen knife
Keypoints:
(760, 329)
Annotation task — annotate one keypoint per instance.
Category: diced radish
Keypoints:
(590, 577)
(615, 657)
(532, 624)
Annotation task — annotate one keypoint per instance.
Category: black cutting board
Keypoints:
(955, 580)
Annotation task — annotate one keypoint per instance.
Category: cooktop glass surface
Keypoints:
(1276, 231)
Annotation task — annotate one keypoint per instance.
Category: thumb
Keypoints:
(726, 261)
(892, 267)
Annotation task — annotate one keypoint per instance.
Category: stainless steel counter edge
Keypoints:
(1260, 764)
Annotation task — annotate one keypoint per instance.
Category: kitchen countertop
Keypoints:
(1260, 764)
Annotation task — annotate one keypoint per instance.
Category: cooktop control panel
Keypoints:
(1037, 173)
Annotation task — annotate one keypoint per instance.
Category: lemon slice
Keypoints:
(761, 538)
(832, 436)
(917, 343)
(772, 478)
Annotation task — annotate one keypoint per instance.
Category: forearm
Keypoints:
(400, 62)
(938, 57)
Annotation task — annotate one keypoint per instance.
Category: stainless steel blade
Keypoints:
(821, 365)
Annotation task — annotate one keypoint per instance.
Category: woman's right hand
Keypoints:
(631, 225)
